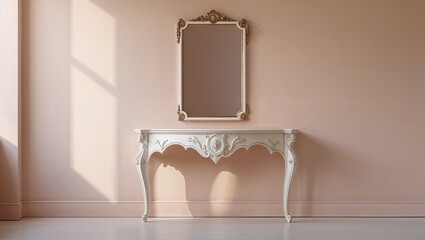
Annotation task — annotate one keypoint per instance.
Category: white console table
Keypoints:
(215, 144)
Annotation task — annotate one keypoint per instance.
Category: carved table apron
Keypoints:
(215, 144)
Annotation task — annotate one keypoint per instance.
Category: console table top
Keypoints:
(216, 131)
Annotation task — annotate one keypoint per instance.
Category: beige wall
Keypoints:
(10, 163)
(348, 74)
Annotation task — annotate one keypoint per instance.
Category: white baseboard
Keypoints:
(222, 209)
(82, 209)
(358, 208)
(10, 211)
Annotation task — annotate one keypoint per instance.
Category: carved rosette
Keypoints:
(245, 115)
(216, 146)
(181, 116)
(244, 24)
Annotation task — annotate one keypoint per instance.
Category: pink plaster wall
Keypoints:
(348, 74)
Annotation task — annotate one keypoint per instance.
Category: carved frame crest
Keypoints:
(213, 17)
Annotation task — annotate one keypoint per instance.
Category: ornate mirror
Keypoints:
(212, 68)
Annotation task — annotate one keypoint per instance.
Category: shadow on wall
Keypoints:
(320, 160)
(251, 175)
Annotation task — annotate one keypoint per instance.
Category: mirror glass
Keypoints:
(212, 81)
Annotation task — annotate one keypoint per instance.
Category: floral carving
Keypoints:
(216, 145)
(236, 141)
(245, 115)
(180, 25)
(161, 145)
(196, 141)
(213, 17)
(274, 143)
(180, 114)
(141, 139)
(291, 141)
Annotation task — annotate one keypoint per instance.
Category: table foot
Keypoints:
(288, 218)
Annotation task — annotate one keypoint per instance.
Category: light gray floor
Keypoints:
(213, 228)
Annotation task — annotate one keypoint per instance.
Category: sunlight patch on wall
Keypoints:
(222, 189)
(9, 71)
(93, 39)
(8, 107)
(93, 133)
(93, 103)
(8, 128)
(223, 186)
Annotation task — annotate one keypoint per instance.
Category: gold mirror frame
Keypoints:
(213, 17)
